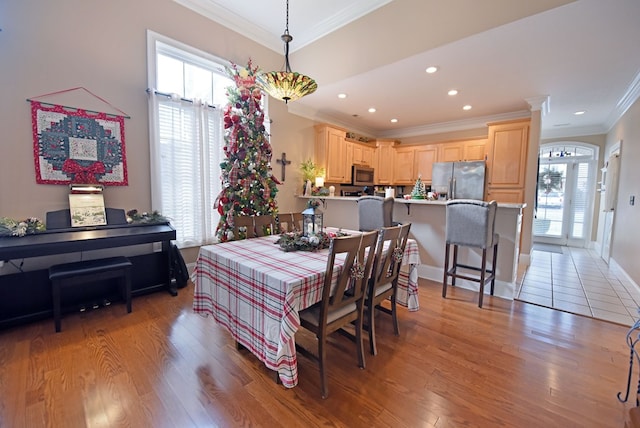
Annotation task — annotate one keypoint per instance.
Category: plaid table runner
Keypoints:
(255, 290)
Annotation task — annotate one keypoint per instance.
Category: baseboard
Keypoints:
(503, 289)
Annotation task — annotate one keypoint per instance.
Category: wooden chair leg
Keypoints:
(372, 329)
(321, 361)
(359, 341)
(394, 315)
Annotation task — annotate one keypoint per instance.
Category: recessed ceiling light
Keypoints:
(342, 96)
(467, 107)
(453, 92)
(579, 112)
(394, 120)
(431, 69)
(372, 110)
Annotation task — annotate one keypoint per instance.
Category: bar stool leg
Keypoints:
(483, 271)
(493, 267)
(454, 266)
(446, 270)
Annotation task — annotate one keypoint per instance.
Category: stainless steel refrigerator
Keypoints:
(460, 180)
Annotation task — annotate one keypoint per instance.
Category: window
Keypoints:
(187, 90)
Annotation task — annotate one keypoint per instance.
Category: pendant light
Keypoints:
(286, 85)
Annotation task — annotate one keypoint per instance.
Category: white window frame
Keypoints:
(207, 215)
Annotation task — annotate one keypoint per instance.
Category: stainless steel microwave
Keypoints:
(361, 175)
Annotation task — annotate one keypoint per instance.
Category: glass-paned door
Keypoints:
(566, 188)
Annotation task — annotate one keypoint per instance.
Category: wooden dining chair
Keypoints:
(264, 225)
(243, 227)
(343, 303)
(289, 222)
(249, 226)
(383, 284)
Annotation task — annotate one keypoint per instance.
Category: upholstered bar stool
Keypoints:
(470, 223)
(374, 213)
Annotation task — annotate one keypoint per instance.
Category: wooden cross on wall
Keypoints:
(284, 162)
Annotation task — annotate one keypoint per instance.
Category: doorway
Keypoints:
(565, 194)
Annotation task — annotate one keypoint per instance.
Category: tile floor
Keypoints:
(580, 282)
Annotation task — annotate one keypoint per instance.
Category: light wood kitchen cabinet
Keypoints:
(468, 150)
(403, 166)
(424, 158)
(474, 150)
(507, 160)
(505, 195)
(331, 153)
(384, 161)
(451, 152)
(362, 155)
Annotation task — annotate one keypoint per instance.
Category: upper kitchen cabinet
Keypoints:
(425, 156)
(362, 154)
(403, 166)
(475, 150)
(450, 152)
(331, 153)
(507, 160)
(384, 161)
(467, 150)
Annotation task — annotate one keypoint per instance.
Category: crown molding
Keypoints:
(456, 125)
(436, 128)
(216, 11)
(572, 131)
(627, 100)
(223, 16)
(539, 103)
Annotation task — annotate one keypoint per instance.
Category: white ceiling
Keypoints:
(501, 55)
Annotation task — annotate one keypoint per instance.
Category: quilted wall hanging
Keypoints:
(72, 145)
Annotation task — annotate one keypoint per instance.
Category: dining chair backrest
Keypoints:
(243, 227)
(383, 285)
(352, 279)
(385, 265)
(404, 235)
(289, 222)
(248, 226)
(264, 225)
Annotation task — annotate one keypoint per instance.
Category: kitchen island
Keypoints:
(428, 229)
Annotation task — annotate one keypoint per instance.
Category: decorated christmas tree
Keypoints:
(418, 191)
(248, 186)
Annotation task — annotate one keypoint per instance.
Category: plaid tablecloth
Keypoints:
(255, 290)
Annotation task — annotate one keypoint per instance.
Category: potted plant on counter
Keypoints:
(309, 171)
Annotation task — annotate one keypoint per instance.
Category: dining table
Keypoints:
(256, 290)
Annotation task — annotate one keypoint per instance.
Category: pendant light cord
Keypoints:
(286, 38)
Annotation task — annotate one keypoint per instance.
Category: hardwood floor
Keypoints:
(509, 364)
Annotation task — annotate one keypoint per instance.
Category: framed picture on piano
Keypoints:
(86, 206)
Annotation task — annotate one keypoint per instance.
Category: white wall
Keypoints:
(625, 245)
(48, 46)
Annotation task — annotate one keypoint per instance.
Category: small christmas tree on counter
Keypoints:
(418, 191)
(248, 186)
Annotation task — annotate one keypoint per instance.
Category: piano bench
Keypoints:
(87, 271)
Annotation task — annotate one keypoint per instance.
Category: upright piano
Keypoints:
(26, 295)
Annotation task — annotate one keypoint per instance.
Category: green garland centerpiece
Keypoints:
(296, 241)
